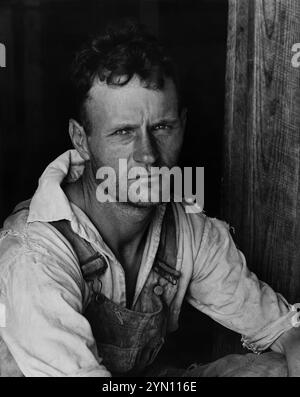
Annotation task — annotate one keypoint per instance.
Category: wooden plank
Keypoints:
(262, 140)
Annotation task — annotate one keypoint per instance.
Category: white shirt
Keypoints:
(45, 295)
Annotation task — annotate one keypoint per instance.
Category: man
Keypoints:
(91, 288)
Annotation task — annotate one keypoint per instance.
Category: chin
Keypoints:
(144, 204)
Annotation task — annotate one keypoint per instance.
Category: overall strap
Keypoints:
(166, 257)
(93, 264)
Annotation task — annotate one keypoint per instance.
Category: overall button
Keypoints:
(158, 290)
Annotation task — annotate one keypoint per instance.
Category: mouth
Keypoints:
(149, 177)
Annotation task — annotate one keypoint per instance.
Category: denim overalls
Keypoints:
(128, 340)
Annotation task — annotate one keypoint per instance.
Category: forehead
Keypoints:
(132, 102)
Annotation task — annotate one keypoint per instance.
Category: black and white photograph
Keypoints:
(149, 191)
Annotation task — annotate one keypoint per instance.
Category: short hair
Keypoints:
(123, 51)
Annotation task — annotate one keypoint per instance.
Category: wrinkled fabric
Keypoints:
(249, 365)
(128, 340)
(269, 364)
(45, 295)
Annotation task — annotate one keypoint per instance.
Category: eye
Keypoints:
(162, 126)
(122, 132)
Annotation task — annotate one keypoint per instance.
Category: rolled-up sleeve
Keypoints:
(226, 290)
(46, 331)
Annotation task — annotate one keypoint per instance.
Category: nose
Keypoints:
(145, 151)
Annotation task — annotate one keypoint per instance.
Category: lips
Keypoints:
(142, 178)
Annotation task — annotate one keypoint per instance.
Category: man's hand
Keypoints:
(289, 345)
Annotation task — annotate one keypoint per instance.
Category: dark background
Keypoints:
(41, 37)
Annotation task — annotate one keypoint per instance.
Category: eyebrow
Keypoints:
(167, 121)
(122, 126)
(134, 126)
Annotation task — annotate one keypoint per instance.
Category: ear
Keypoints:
(183, 115)
(79, 139)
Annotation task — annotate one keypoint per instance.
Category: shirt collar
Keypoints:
(49, 203)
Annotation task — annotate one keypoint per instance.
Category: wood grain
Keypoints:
(262, 141)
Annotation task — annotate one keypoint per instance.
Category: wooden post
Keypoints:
(261, 181)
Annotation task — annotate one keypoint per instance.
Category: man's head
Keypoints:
(128, 101)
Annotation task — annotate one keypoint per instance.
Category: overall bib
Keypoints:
(128, 340)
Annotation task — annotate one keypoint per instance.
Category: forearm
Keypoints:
(289, 345)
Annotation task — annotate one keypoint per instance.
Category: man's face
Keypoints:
(134, 123)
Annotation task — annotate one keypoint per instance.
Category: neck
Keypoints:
(121, 225)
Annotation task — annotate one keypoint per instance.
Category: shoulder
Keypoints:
(200, 228)
(35, 247)
(18, 233)
(189, 215)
